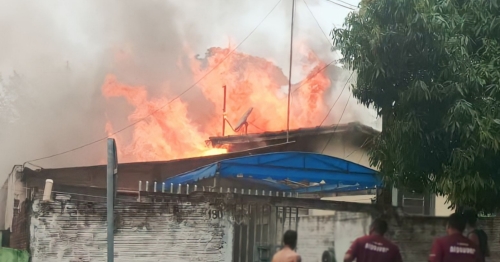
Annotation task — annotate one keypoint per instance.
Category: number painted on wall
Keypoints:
(215, 214)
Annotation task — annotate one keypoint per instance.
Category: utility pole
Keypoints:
(290, 76)
(112, 170)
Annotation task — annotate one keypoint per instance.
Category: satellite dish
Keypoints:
(243, 119)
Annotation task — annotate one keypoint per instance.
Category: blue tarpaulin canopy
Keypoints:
(274, 169)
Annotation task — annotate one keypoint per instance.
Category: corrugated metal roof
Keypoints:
(278, 135)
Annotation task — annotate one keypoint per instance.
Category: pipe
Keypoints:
(47, 192)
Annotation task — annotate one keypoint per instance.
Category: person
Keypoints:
(478, 236)
(287, 254)
(454, 247)
(374, 247)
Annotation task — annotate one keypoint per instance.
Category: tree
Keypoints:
(431, 68)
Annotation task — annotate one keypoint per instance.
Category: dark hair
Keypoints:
(290, 239)
(380, 226)
(457, 221)
(470, 217)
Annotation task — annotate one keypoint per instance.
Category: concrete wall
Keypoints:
(344, 147)
(365, 199)
(70, 230)
(320, 233)
(414, 236)
(179, 228)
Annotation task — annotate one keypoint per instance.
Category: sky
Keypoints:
(64, 49)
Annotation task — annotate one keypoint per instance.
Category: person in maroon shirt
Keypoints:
(455, 247)
(374, 247)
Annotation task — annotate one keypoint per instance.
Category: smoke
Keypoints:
(54, 57)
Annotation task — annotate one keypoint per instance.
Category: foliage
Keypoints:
(431, 68)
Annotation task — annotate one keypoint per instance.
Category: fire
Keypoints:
(170, 133)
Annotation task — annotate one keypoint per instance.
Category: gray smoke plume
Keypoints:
(54, 57)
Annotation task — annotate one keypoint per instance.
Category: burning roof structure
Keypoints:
(167, 126)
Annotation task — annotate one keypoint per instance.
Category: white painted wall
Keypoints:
(366, 199)
(74, 232)
(442, 209)
(344, 150)
(319, 233)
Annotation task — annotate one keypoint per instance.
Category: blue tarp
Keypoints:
(338, 174)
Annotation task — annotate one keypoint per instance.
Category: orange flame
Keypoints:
(251, 82)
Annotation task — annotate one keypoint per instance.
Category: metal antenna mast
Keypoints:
(290, 76)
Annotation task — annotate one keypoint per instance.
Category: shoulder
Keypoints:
(439, 241)
(392, 245)
(363, 239)
(277, 254)
(473, 233)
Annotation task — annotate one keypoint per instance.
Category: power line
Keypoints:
(327, 38)
(252, 124)
(337, 99)
(317, 72)
(350, 8)
(354, 6)
(362, 145)
(330, 138)
(175, 98)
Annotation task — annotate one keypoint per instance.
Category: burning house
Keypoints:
(250, 168)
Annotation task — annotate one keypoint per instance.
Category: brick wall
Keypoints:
(74, 230)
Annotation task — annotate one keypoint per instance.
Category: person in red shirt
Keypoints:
(455, 247)
(374, 247)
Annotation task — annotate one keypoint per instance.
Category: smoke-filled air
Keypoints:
(150, 74)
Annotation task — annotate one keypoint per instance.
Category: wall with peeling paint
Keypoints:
(414, 235)
(320, 233)
(72, 230)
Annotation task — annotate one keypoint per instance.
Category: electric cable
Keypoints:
(355, 150)
(317, 22)
(317, 72)
(330, 138)
(252, 124)
(324, 119)
(347, 7)
(344, 2)
(172, 100)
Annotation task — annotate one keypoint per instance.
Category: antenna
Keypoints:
(290, 76)
(243, 120)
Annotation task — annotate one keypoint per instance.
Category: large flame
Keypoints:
(251, 82)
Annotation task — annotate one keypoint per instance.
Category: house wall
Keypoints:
(366, 199)
(72, 230)
(14, 192)
(441, 206)
(343, 146)
(3, 204)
